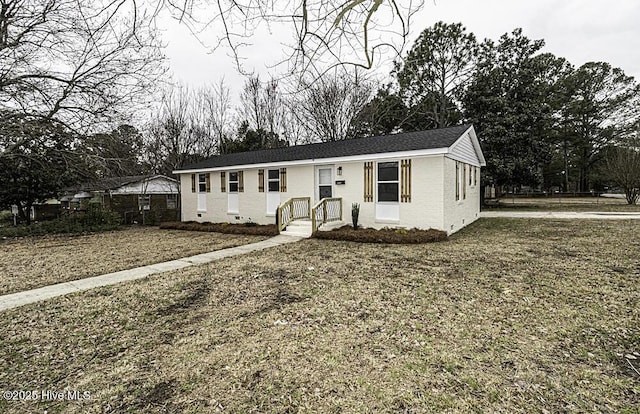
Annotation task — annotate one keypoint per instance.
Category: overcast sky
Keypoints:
(578, 30)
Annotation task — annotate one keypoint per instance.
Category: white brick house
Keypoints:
(425, 179)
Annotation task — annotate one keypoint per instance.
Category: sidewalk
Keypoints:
(561, 215)
(35, 295)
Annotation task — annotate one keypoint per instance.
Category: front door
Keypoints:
(324, 180)
(202, 192)
(273, 191)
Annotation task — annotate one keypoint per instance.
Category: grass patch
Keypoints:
(495, 319)
(28, 263)
(386, 235)
(225, 228)
(579, 204)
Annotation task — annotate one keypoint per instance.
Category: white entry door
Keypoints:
(324, 182)
(273, 191)
(202, 192)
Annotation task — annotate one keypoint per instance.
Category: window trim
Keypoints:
(144, 202)
(396, 181)
(273, 180)
(202, 183)
(457, 180)
(174, 199)
(236, 182)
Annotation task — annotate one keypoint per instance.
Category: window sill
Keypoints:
(233, 213)
(387, 221)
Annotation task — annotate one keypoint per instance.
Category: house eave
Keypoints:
(333, 160)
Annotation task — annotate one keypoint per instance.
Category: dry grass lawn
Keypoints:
(509, 315)
(604, 204)
(28, 263)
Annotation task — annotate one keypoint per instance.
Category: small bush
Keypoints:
(94, 219)
(96, 215)
(249, 228)
(386, 235)
(59, 226)
(6, 216)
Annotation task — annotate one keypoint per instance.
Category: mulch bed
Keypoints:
(386, 235)
(228, 228)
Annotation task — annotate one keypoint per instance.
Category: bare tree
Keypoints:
(169, 142)
(252, 103)
(216, 107)
(80, 62)
(623, 167)
(190, 125)
(330, 105)
(262, 106)
(325, 34)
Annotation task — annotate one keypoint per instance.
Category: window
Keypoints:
(202, 183)
(233, 182)
(144, 202)
(388, 184)
(274, 180)
(172, 201)
(464, 181)
(475, 176)
(457, 181)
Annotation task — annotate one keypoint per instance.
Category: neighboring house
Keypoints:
(426, 179)
(156, 197)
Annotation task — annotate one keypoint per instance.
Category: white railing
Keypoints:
(292, 209)
(327, 210)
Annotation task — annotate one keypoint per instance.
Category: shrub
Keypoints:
(249, 228)
(386, 235)
(97, 215)
(95, 219)
(355, 213)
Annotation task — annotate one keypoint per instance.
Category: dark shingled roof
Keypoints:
(408, 141)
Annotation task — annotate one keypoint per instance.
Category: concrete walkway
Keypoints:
(35, 295)
(562, 215)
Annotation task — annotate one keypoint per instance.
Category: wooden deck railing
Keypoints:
(327, 209)
(292, 209)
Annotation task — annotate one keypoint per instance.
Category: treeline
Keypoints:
(543, 122)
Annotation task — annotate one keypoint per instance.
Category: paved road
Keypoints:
(562, 215)
(35, 295)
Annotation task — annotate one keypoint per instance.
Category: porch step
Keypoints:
(298, 228)
(331, 225)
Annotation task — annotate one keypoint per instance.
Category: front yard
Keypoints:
(509, 315)
(32, 262)
(557, 203)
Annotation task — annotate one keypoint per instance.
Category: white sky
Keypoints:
(578, 30)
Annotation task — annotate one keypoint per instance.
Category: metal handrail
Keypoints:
(325, 210)
(292, 209)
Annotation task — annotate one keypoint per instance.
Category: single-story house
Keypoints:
(156, 197)
(425, 179)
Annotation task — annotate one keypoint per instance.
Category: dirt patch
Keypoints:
(395, 236)
(226, 228)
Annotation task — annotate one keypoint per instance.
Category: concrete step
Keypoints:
(331, 225)
(298, 228)
(304, 234)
